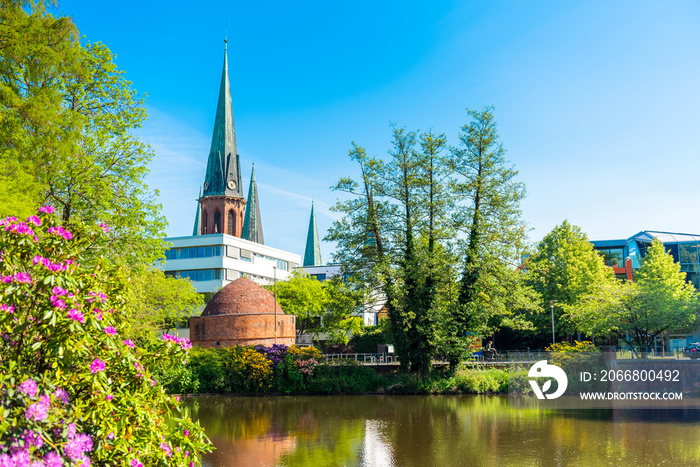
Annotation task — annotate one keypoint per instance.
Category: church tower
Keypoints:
(252, 225)
(312, 253)
(222, 205)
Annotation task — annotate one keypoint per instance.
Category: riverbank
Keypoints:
(301, 371)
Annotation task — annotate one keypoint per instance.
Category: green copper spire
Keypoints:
(252, 225)
(223, 176)
(198, 216)
(312, 254)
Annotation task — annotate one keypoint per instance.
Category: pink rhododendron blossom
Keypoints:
(60, 232)
(50, 265)
(97, 365)
(37, 411)
(104, 227)
(8, 220)
(20, 228)
(110, 330)
(181, 341)
(57, 303)
(98, 313)
(76, 315)
(135, 463)
(6, 279)
(109, 397)
(7, 308)
(77, 445)
(166, 448)
(47, 209)
(34, 220)
(62, 395)
(28, 387)
(129, 343)
(97, 295)
(22, 277)
(59, 291)
(52, 459)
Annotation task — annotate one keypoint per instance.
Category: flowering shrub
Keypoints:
(246, 370)
(306, 367)
(299, 353)
(274, 353)
(72, 392)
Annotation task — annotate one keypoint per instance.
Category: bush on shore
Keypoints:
(299, 370)
(74, 392)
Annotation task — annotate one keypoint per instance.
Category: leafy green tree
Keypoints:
(302, 296)
(660, 300)
(564, 268)
(158, 303)
(492, 293)
(327, 308)
(340, 319)
(66, 119)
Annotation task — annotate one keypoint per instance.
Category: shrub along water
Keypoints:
(300, 370)
(72, 391)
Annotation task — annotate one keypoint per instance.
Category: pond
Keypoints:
(443, 431)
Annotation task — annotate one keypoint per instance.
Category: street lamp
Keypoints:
(274, 274)
(551, 307)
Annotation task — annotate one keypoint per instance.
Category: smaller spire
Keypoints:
(198, 215)
(252, 223)
(312, 254)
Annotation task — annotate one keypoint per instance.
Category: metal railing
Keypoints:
(364, 358)
(673, 354)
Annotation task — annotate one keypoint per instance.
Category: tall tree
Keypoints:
(564, 268)
(66, 119)
(491, 289)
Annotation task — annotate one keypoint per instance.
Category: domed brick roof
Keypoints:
(241, 297)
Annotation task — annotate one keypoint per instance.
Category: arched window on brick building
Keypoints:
(217, 222)
(204, 222)
(231, 223)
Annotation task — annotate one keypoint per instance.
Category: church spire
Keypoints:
(198, 216)
(223, 177)
(312, 254)
(252, 224)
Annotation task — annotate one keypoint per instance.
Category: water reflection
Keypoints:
(436, 430)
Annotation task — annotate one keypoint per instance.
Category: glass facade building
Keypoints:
(683, 247)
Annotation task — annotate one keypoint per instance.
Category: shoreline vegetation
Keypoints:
(281, 370)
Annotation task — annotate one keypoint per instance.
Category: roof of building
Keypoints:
(647, 236)
(665, 237)
(241, 297)
(223, 176)
(252, 222)
(312, 253)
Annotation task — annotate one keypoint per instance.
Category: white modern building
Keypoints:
(212, 261)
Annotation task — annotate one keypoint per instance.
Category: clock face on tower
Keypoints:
(206, 185)
(231, 185)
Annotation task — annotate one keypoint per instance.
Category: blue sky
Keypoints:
(598, 103)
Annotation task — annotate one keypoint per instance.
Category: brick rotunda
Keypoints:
(242, 313)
